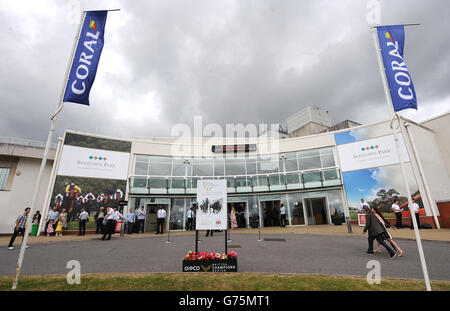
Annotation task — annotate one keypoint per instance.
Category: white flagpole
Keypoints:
(44, 160)
(402, 164)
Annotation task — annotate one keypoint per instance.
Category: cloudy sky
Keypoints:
(228, 61)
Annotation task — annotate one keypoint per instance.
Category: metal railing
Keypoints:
(290, 180)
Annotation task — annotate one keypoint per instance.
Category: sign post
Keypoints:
(212, 207)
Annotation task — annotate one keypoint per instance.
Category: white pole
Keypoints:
(43, 163)
(51, 185)
(425, 183)
(402, 164)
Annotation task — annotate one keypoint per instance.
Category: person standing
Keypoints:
(52, 216)
(161, 220)
(208, 232)
(63, 218)
(190, 221)
(363, 206)
(141, 219)
(376, 232)
(117, 217)
(398, 214)
(108, 223)
(59, 227)
(233, 220)
(130, 221)
(99, 217)
(415, 209)
(83, 218)
(282, 215)
(19, 228)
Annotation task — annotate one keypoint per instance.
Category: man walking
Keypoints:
(83, 218)
(377, 232)
(19, 228)
(415, 209)
(190, 217)
(130, 221)
(99, 216)
(141, 219)
(161, 220)
(398, 214)
(109, 226)
(282, 215)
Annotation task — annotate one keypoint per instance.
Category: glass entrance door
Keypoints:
(240, 209)
(271, 213)
(316, 211)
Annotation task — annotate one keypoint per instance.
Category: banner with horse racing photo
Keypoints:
(212, 205)
(92, 173)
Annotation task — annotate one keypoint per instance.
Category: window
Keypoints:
(4, 174)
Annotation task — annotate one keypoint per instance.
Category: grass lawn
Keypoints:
(90, 225)
(214, 282)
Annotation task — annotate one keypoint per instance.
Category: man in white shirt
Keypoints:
(109, 226)
(117, 216)
(415, 209)
(161, 220)
(130, 221)
(282, 215)
(83, 218)
(398, 214)
(363, 206)
(190, 217)
(141, 219)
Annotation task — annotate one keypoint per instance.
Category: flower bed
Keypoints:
(210, 262)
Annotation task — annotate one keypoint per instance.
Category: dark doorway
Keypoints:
(271, 213)
(316, 211)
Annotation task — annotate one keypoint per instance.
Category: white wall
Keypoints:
(14, 202)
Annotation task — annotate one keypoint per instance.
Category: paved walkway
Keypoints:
(425, 234)
(297, 250)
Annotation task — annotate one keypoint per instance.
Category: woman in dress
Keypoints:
(234, 224)
(383, 221)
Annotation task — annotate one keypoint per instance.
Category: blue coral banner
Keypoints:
(86, 58)
(392, 40)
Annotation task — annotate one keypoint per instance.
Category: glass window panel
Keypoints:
(328, 160)
(326, 151)
(235, 169)
(310, 163)
(330, 175)
(192, 183)
(242, 182)
(219, 168)
(160, 169)
(267, 166)
(230, 182)
(291, 165)
(139, 182)
(251, 168)
(141, 168)
(157, 183)
(310, 177)
(155, 159)
(274, 180)
(4, 173)
(262, 181)
(142, 158)
(291, 155)
(176, 182)
(179, 169)
(293, 178)
(308, 153)
(202, 170)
